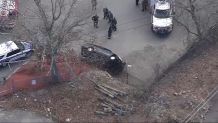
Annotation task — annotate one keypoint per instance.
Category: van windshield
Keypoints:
(162, 13)
(19, 45)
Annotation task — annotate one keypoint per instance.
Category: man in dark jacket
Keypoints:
(110, 16)
(109, 32)
(137, 2)
(105, 10)
(144, 5)
(95, 20)
(114, 21)
(114, 24)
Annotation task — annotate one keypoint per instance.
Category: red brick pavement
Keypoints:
(23, 78)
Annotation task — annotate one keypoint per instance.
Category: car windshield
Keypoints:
(162, 13)
(19, 45)
(1, 57)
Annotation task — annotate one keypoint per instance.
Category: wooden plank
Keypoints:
(113, 102)
(109, 87)
(108, 94)
(108, 110)
(100, 113)
(103, 88)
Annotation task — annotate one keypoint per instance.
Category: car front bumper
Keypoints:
(162, 30)
(7, 26)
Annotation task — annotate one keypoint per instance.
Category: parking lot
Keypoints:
(133, 41)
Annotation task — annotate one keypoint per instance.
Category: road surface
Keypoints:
(133, 41)
(212, 115)
(22, 117)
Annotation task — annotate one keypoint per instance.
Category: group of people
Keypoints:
(111, 19)
(144, 4)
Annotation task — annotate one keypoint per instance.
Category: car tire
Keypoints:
(152, 29)
(171, 30)
(4, 64)
(29, 54)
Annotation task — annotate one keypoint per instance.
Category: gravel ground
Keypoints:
(75, 104)
(184, 87)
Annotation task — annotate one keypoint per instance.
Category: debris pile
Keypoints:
(112, 104)
(112, 101)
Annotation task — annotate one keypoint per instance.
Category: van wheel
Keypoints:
(152, 29)
(172, 29)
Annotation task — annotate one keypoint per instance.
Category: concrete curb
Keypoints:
(4, 33)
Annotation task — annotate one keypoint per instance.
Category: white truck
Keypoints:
(161, 16)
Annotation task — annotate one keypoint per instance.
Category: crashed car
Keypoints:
(14, 50)
(103, 58)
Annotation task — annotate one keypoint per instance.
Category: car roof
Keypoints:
(162, 5)
(100, 49)
(7, 47)
(6, 5)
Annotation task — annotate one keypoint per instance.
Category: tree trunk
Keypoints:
(196, 20)
(54, 72)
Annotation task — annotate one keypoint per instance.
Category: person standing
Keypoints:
(144, 5)
(114, 24)
(105, 10)
(152, 5)
(137, 2)
(114, 21)
(109, 32)
(94, 4)
(110, 16)
(172, 4)
(95, 20)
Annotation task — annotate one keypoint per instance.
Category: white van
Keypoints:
(161, 17)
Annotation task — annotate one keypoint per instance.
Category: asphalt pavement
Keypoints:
(132, 38)
(134, 35)
(212, 115)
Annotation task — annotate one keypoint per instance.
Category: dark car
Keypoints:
(103, 58)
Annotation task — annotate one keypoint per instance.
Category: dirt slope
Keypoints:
(184, 87)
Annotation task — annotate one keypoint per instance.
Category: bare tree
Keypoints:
(197, 16)
(59, 22)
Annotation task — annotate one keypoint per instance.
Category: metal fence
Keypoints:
(12, 85)
(5, 72)
(127, 78)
